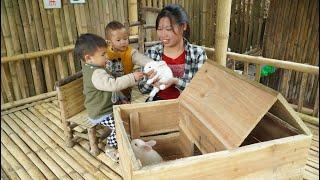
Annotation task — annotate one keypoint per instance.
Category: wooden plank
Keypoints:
(283, 110)
(199, 132)
(167, 145)
(151, 119)
(134, 125)
(186, 145)
(128, 161)
(205, 100)
(230, 164)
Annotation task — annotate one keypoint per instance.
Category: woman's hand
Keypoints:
(170, 82)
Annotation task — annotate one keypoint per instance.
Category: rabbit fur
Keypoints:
(145, 153)
(163, 72)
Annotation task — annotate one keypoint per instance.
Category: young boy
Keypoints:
(122, 56)
(98, 84)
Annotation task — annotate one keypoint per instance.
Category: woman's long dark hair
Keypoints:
(176, 15)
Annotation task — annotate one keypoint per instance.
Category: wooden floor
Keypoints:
(32, 147)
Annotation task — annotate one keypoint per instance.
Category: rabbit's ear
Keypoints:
(147, 147)
(151, 143)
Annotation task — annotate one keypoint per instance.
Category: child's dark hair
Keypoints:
(88, 44)
(111, 26)
(176, 15)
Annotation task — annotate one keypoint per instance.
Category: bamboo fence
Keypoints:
(246, 23)
(292, 34)
(33, 29)
(26, 27)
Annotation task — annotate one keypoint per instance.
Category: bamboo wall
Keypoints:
(292, 34)
(246, 24)
(27, 27)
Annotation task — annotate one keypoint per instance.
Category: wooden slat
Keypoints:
(251, 156)
(204, 99)
(134, 125)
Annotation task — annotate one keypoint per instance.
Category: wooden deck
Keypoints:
(32, 147)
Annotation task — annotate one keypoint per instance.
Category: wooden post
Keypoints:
(222, 30)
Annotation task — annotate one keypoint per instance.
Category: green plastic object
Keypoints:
(267, 70)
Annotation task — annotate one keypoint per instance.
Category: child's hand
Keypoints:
(150, 74)
(137, 75)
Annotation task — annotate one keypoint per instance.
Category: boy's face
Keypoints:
(119, 39)
(98, 58)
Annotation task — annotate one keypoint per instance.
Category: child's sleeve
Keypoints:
(139, 59)
(105, 82)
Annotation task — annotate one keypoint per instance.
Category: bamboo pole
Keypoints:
(5, 83)
(42, 45)
(309, 119)
(12, 137)
(16, 166)
(6, 167)
(45, 157)
(63, 69)
(272, 62)
(51, 152)
(133, 15)
(14, 109)
(222, 31)
(10, 50)
(33, 55)
(20, 46)
(47, 136)
(71, 153)
(28, 100)
(67, 20)
(26, 163)
(102, 15)
(302, 91)
(316, 104)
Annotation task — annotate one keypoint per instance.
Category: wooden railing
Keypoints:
(306, 69)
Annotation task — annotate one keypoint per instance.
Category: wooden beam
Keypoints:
(222, 31)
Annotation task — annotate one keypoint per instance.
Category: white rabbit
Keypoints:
(163, 72)
(145, 153)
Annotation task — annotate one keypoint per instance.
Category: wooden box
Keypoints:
(222, 126)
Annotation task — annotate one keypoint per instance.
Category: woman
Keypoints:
(183, 58)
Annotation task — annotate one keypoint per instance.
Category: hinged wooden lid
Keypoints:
(230, 105)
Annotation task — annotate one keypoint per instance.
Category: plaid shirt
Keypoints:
(195, 57)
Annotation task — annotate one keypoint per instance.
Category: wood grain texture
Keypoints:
(230, 106)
